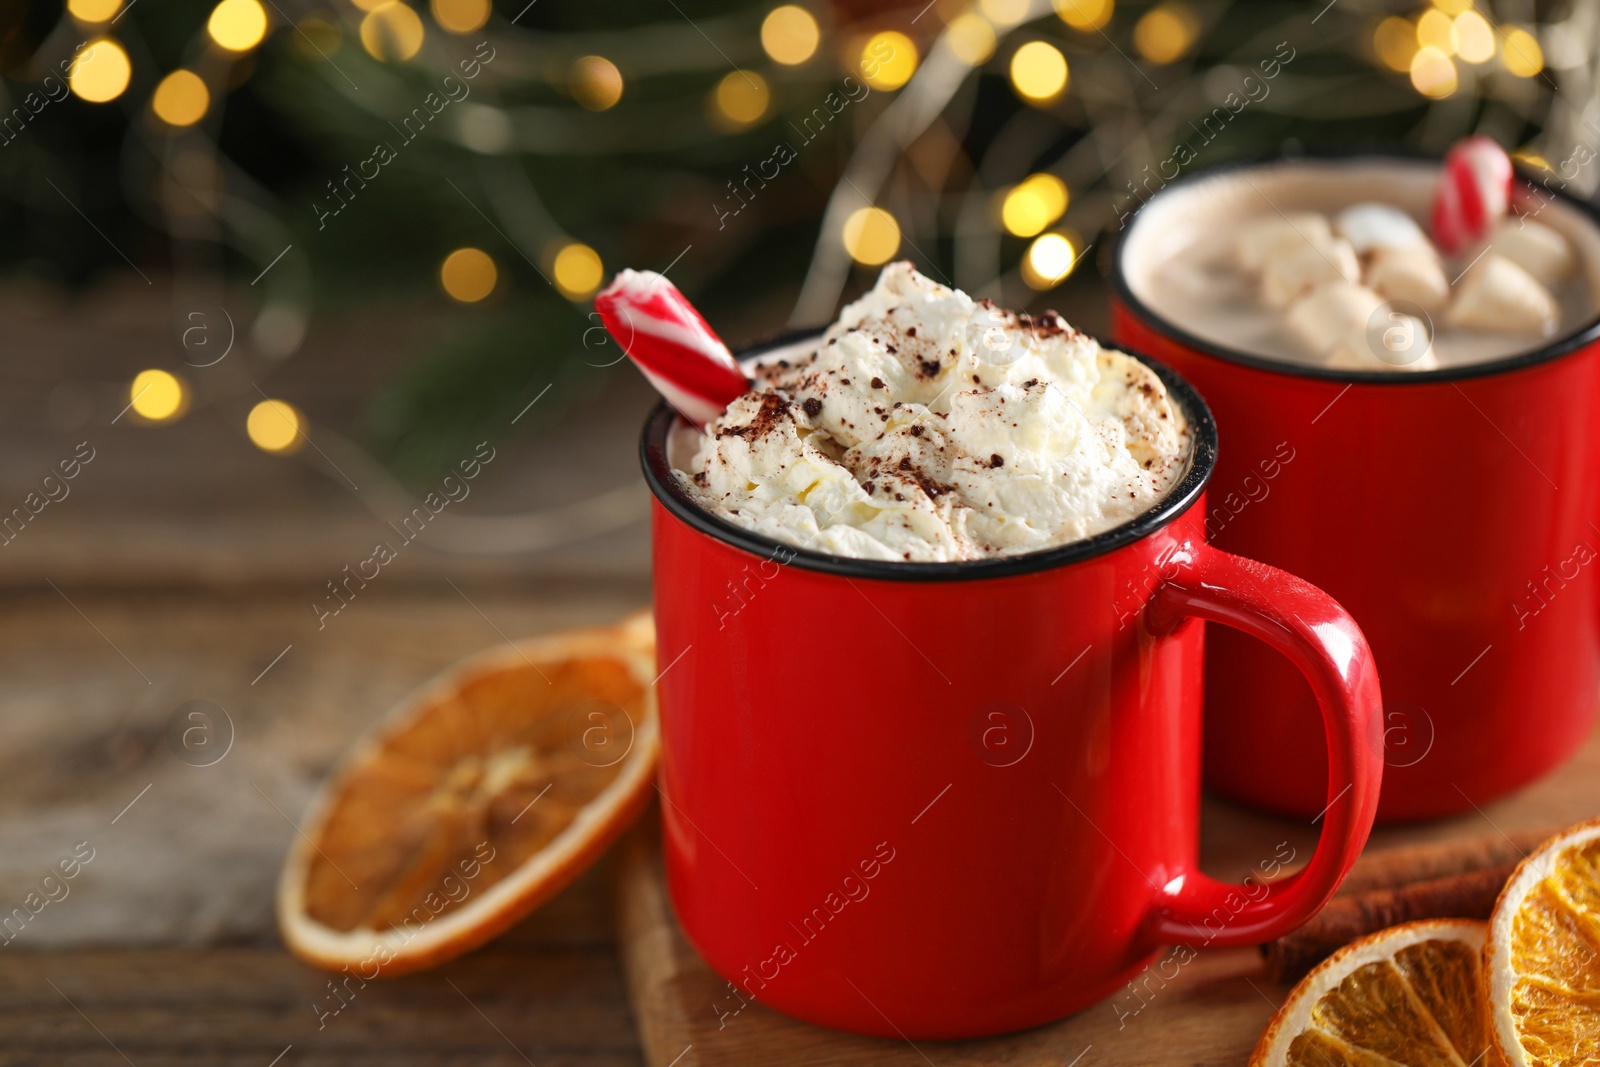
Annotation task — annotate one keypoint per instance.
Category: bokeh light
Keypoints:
(596, 83)
(316, 38)
(102, 71)
(94, 10)
(1453, 7)
(460, 16)
(1039, 72)
(181, 99)
(1050, 259)
(888, 60)
(157, 396)
(578, 271)
(971, 39)
(1437, 30)
(1164, 34)
(1531, 158)
(391, 32)
(741, 98)
(1432, 73)
(871, 236)
(1474, 37)
(790, 34)
(238, 25)
(1521, 53)
(1004, 12)
(468, 275)
(1085, 14)
(274, 426)
(1033, 203)
(1395, 42)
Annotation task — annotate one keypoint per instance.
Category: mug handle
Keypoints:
(1321, 639)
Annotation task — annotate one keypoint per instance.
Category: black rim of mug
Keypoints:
(672, 495)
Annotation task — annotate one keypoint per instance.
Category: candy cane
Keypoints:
(1474, 191)
(670, 342)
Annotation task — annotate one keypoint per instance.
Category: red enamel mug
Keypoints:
(1452, 511)
(958, 799)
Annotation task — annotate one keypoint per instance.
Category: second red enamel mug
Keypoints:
(1452, 511)
(957, 799)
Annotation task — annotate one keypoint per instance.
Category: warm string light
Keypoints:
(790, 35)
(237, 25)
(460, 16)
(468, 275)
(93, 11)
(274, 426)
(1039, 73)
(1395, 42)
(888, 60)
(1085, 14)
(871, 236)
(1050, 259)
(577, 271)
(1165, 34)
(741, 99)
(181, 99)
(102, 71)
(1452, 30)
(157, 396)
(1432, 73)
(596, 83)
(1474, 37)
(1436, 30)
(1521, 52)
(1032, 204)
(392, 32)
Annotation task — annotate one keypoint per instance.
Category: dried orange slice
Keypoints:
(1542, 963)
(1408, 996)
(475, 800)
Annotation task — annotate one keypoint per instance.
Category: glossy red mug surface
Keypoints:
(1453, 512)
(954, 800)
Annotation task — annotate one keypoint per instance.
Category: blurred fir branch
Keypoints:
(470, 382)
(540, 153)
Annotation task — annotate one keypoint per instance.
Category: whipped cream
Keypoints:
(929, 427)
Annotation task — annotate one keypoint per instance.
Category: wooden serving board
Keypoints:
(1207, 1011)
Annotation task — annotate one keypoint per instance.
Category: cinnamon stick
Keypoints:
(1420, 863)
(1457, 879)
(1346, 918)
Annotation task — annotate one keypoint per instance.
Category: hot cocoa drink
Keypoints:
(1335, 264)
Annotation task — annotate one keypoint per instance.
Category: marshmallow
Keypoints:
(1499, 296)
(1411, 274)
(1370, 226)
(1535, 247)
(1258, 242)
(1296, 269)
(1330, 314)
(1343, 324)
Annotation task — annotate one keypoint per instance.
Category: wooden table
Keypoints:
(182, 567)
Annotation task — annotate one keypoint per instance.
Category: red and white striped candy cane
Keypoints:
(671, 343)
(1474, 192)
